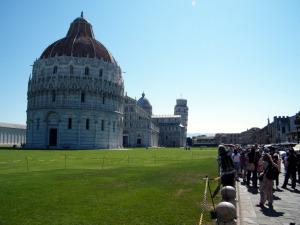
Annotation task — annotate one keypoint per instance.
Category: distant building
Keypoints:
(292, 135)
(171, 131)
(263, 136)
(279, 129)
(203, 140)
(249, 136)
(139, 129)
(227, 138)
(12, 134)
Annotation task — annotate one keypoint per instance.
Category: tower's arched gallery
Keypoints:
(76, 99)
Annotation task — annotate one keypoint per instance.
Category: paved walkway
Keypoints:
(286, 206)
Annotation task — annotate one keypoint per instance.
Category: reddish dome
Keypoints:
(79, 42)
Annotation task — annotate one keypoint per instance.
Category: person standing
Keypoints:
(291, 164)
(298, 165)
(236, 157)
(277, 161)
(243, 160)
(266, 181)
(253, 158)
(226, 166)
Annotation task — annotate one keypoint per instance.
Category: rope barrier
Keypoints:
(203, 201)
(125, 159)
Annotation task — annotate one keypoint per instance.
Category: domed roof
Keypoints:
(79, 42)
(145, 104)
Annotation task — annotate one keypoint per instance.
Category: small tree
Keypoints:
(297, 123)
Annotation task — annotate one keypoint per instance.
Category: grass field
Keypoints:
(126, 187)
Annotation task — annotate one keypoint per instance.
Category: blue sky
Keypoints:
(236, 61)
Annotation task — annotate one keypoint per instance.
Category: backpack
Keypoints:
(272, 172)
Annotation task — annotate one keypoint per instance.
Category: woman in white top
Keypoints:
(236, 158)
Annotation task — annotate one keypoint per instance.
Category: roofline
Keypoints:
(166, 116)
(12, 125)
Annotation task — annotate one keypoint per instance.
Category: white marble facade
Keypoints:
(82, 110)
(75, 94)
(12, 134)
(171, 131)
(173, 128)
(139, 129)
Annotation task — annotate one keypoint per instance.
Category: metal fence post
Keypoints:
(27, 163)
(65, 160)
(102, 162)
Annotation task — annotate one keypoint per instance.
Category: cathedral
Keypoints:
(142, 128)
(76, 100)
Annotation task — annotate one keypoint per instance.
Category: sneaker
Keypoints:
(284, 187)
(270, 205)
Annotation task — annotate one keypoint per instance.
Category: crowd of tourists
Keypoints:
(259, 168)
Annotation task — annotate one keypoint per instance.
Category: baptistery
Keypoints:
(75, 94)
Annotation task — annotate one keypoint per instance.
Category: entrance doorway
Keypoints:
(53, 137)
(125, 141)
(139, 141)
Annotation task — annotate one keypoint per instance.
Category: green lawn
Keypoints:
(127, 187)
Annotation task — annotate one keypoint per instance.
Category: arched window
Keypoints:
(55, 70)
(70, 123)
(100, 72)
(38, 124)
(82, 97)
(139, 140)
(102, 125)
(42, 72)
(114, 126)
(71, 70)
(87, 124)
(53, 96)
(87, 71)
